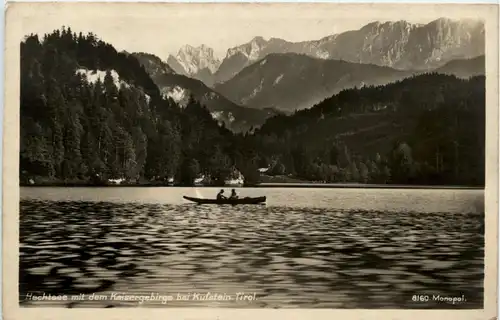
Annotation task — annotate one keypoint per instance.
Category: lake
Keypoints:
(306, 248)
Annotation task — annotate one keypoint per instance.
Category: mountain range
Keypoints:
(397, 44)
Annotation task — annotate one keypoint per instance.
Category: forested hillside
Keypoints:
(427, 129)
(89, 113)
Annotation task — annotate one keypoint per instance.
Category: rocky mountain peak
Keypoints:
(192, 60)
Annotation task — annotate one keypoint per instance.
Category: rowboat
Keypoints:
(246, 200)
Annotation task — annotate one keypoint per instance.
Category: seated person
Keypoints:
(233, 194)
(220, 195)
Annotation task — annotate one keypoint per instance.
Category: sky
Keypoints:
(162, 28)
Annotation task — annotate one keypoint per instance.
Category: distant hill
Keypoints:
(291, 81)
(464, 68)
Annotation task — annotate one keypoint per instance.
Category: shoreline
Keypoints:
(363, 186)
(261, 185)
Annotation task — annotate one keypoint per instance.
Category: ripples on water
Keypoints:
(291, 257)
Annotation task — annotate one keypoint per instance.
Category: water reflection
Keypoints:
(291, 257)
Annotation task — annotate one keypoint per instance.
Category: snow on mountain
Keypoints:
(254, 92)
(278, 79)
(177, 93)
(93, 75)
(223, 117)
(217, 115)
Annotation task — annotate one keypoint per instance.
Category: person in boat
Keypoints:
(233, 194)
(220, 195)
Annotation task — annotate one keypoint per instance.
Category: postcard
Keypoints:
(250, 160)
